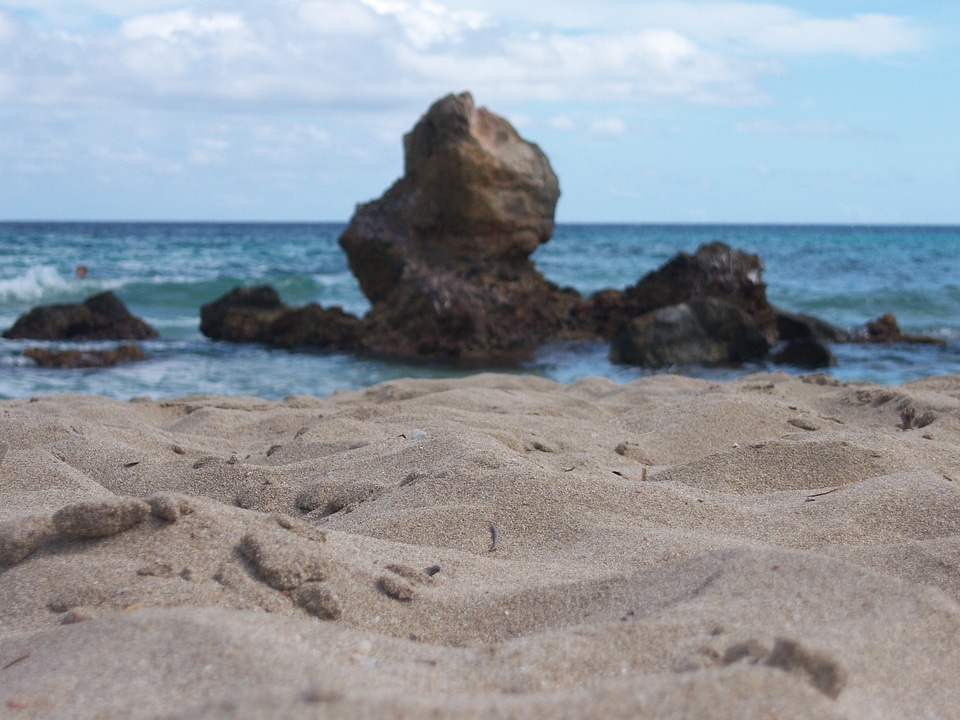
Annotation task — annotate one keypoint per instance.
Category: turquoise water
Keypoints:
(164, 272)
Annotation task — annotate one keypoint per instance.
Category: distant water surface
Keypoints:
(164, 272)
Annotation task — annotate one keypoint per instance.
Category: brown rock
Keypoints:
(473, 191)
(242, 315)
(100, 317)
(444, 254)
(255, 314)
(886, 329)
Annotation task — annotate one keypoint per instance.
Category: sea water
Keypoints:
(164, 272)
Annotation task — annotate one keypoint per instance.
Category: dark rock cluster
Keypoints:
(100, 317)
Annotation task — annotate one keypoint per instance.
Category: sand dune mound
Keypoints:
(489, 546)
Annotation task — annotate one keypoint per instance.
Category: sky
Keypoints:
(669, 111)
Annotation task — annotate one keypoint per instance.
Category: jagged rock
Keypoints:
(242, 315)
(100, 317)
(886, 329)
(714, 271)
(444, 254)
(704, 331)
(45, 357)
(255, 314)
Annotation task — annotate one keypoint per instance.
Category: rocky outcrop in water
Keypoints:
(885, 329)
(100, 317)
(703, 331)
(444, 258)
(255, 314)
(444, 254)
(715, 271)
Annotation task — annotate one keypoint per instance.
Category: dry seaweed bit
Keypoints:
(811, 498)
(15, 661)
(494, 538)
(643, 474)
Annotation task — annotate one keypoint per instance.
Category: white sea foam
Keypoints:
(37, 282)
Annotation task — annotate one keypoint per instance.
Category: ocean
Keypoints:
(164, 272)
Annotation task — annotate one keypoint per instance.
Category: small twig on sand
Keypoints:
(494, 538)
(15, 661)
(811, 498)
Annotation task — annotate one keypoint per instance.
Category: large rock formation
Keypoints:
(444, 255)
(100, 317)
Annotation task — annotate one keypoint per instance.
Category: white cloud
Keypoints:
(863, 35)
(770, 127)
(8, 26)
(608, 126)
(181, 24)
(563, 122)
(429, 23)
(359, 54)
(340, 17)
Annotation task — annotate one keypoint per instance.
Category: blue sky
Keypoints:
(649, 111)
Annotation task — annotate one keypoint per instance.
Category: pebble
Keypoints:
(20, 537)
(99, 518)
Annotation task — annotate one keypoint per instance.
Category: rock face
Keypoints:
(714, 271)
(100, 317)
(443, 256)
(255, 314)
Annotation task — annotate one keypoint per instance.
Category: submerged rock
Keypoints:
(69, 359)
(100, 317)
(886, 329)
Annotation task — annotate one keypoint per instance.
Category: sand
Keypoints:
(495, 546)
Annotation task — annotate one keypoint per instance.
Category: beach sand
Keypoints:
(495, 546)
